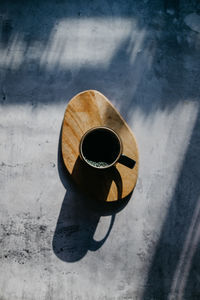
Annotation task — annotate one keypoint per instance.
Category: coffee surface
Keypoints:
(99, 164)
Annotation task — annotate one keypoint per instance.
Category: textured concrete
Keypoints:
(145, 57)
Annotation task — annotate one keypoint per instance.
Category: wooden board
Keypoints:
(84, 111)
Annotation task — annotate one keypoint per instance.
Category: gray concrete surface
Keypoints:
(145, 57)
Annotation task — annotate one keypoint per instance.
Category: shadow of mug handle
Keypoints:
(126, 161)
(95, 245)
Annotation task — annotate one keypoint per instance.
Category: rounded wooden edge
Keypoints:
(130, 131)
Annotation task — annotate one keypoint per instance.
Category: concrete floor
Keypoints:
(145, 57)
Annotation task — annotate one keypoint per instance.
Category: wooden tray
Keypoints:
(84, 111)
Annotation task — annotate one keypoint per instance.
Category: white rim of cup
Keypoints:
(93, 129)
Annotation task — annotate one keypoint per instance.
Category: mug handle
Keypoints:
(126, 161)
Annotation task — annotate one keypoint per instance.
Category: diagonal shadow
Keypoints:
(167, 269)
(174, 269)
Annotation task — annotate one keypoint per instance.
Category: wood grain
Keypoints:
(84, 111)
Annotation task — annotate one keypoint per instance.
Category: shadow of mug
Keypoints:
(80, 213)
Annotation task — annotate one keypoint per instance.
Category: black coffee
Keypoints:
(100, 147)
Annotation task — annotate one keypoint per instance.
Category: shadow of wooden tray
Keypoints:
(86, 110)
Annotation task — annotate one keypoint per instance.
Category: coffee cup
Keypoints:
(101, 148)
